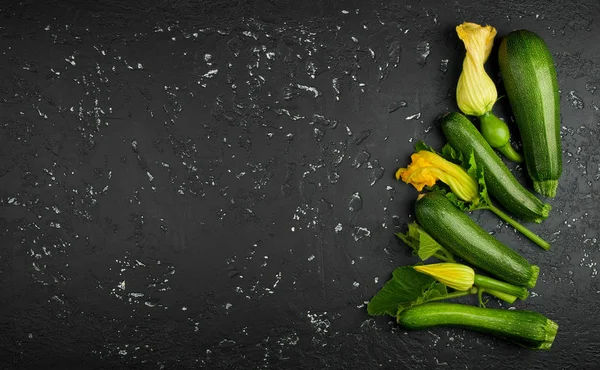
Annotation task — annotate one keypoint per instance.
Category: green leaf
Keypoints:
(405, 289)
(479, 175)
(452, 155)
(447, 152)
(471, 166)
(436, 291)
(423, 244)
(428, 246)
(420, 145)
(459, 203)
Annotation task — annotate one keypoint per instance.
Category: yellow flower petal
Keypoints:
(476, 92)
(478, 40)
(427, 168)
(453, 275)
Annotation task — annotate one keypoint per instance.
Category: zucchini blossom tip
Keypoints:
(427, 168)
(454, 275)
(476, 92)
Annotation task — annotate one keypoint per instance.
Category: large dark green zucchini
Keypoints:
(531, 86)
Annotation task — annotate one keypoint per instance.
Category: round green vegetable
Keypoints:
(496, 133)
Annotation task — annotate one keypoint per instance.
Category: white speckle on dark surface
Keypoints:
(310, 89)
(444, 65)
(395, 105)
(360, 232)
(355, 202)
(575, 100)
(211, 73)
(336, 87)
(423, 51)
(413, 116)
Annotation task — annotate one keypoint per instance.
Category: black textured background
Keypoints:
(209, 184)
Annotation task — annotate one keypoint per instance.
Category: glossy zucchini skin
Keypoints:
(527, 328)
(464, 137)
(529, 76)
(455, 230)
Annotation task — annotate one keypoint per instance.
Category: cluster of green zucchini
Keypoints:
(530, 80)
(529, 76)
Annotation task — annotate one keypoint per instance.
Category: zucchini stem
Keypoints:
(546, 187)
(510, 153)
(488, 283)
(510, 299)
(456, 294)
(522, 229)
(444, 256)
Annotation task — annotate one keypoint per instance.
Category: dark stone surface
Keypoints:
(177, 182)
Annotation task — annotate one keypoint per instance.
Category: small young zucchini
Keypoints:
(527, 328)
(531, 86)
(455, 230)
(501, 183)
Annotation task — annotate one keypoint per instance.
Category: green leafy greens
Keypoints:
(405, 289)
(424, 245)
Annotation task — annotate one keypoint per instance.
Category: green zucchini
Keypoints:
(531, 86)
(455, 231)
(500, 182)
(527, 328)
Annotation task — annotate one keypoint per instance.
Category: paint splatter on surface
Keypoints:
(212, 187)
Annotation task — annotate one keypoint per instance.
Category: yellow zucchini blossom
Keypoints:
(427, 168)
(476, 92)
(453, 275)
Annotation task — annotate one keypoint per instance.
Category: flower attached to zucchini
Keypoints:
(428, 167)
(413, 299)
(463, 278)
(476, 92)
(466, 187)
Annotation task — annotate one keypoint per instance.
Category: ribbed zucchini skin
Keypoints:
(527, 328)
(455, 230)
(464, 137)
(529, 76)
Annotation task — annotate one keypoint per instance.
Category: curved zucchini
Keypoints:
(455, 230)
(527, 328)
(531, 86)
(501, 184)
